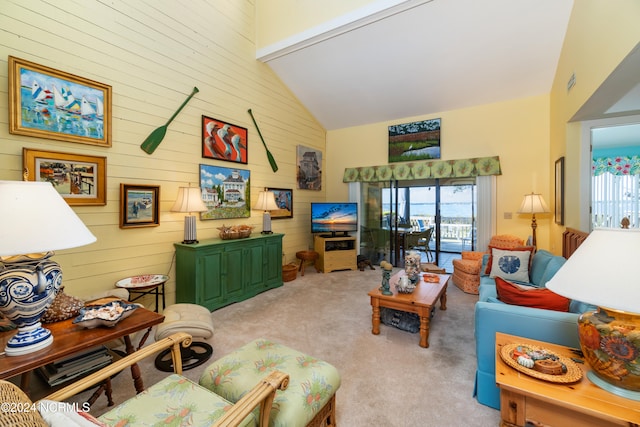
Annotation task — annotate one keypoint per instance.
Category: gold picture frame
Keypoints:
(139, 205)
(53, 104)
(81, 180)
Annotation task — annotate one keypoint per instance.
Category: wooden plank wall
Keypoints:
(153, 53)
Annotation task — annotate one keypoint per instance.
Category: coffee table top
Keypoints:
(69, 338)
(425, 294)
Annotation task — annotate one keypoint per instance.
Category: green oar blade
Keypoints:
(272, 161)
(153, 140)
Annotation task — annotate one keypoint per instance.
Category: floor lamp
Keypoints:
(533, 204)
(189, 200)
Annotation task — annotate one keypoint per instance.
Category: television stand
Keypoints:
(336, 253)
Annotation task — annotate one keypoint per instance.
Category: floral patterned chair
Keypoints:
(466, 271)
(309, 399)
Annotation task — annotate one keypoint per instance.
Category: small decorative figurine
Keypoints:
(386, 273)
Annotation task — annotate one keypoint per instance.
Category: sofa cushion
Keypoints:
(538, 266)
(489, 264)
(511, 293)
(512, 264)
(552, 267)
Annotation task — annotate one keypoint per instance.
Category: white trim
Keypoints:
(343, 24)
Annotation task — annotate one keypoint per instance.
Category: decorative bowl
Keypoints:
(104, 315)
(142, 281)
(405, 286)
(235, 232)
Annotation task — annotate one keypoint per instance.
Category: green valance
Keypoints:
(424, 169)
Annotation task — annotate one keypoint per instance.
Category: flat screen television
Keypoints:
(333, 218)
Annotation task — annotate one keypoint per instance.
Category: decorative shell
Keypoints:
(525, 361)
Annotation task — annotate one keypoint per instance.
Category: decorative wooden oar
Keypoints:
(272, 161)
(155, 138)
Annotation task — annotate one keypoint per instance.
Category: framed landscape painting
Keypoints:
(284, 200)
(80, 180)
(223, 141)
(225, 192)
(139, 205)
(414, 141)
(53, 104)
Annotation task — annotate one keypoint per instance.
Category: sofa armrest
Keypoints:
(261, 394)
(472, 255)
(174, 341)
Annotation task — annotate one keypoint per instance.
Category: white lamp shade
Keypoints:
(603, 271)
(189, 200)
(35, 218)
(533, 204)
(266, 201)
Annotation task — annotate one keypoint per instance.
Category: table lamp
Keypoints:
(189, 200)
(36, 220)
(266, 203)
(603, 271)
(533, 204)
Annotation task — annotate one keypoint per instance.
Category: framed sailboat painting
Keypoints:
(53, 104)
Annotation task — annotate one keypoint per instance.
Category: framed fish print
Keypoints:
(53, 104)
(223, 141)
(80, 180)
(139, 205)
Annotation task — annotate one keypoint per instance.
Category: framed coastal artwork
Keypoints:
(223, 141)
(309, 162)
(225, 192)
(139, 205)
(53, 104)
(284, 200)
(414, 141)
(80, 180)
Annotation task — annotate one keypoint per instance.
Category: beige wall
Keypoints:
(598, 38)
(277, 20)
(517, 131)
(152, 57)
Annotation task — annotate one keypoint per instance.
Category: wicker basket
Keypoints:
(289, 272)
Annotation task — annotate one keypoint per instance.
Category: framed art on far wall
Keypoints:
(225, 192)
(53, 104)
(414, 141)
(80, 180)
(559, 191)
(284, 200)
(223, 141)
(139, 205)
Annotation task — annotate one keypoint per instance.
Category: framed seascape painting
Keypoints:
(80, 180)
(139, 205)
(53, 104)
(284, 200)
(309, 161)
(225, 192)
(414, 141)
(223, 141)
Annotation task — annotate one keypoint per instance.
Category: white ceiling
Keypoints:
(421, 57)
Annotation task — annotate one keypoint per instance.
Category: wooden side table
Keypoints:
(525, 400)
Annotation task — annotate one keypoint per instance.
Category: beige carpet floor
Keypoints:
(387, 379)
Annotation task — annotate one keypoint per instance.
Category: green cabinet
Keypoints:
(216, 272)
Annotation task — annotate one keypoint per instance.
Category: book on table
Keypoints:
(76, 365)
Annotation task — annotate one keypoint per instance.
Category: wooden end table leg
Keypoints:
(375, 317)
(424, 329)
(443, 300)
(135, 369)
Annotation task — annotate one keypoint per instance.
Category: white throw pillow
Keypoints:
(510, 265)
(61, 414)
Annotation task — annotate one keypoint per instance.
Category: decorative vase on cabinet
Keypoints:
(216, 272)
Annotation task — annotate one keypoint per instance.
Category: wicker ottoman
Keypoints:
(196, 321)
(308, 401)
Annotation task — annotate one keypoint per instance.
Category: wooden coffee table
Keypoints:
(420, 301)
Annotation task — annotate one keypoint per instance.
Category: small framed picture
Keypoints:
(139, 205)
(284, 200)
(223, 141)
(80, 180)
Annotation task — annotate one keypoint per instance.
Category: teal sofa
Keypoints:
(492, 315)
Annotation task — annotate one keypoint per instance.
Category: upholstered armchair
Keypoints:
(466, 271)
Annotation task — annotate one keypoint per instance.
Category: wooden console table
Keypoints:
(525, 400)
(70, 338)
